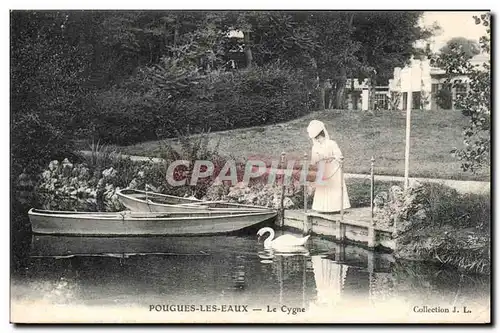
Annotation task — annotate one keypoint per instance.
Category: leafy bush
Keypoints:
(455, 231)
(123, 117)
(34, 142)
(448, 207)
(248, 98)
(159, 101)
(48, 72)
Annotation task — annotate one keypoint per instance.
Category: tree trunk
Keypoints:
(339, 98)
(371, 96)
(340, 94)
(331, 98)
(247, 49)
(176, 35)
(341, 82)
(354, 101)
(321, 94)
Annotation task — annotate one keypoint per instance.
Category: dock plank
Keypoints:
(359, 217)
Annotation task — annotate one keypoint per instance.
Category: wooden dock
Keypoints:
(356, 226)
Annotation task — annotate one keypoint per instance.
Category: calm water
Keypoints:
(146, 272)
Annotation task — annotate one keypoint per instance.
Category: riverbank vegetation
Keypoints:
(437, 224)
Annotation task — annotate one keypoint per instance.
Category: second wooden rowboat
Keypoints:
(142, 201)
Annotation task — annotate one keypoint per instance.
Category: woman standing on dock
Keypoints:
(326, 154)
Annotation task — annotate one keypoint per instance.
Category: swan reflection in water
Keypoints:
(284, 243)
(267, 255)
(288, 257)
(327, 271)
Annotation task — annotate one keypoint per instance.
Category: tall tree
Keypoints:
(363, 44)
(49, 71)
(469, 47)
(388, 40)
(330, 46)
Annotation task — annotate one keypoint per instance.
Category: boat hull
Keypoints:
(141, 201)
(130, 224)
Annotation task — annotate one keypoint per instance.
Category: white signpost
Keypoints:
(408, 128)
(407, 147)
(365, 100)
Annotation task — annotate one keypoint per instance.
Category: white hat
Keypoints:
(315, 127)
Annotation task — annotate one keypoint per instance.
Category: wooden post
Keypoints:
(282, 199)
(341, 188)
(340, 226)
(341, 252)
(371, 227)
(147, 199)
(372, 188)
(305, 169)
(371, 262)
(371, 276)
(304, 276)
(394, 233)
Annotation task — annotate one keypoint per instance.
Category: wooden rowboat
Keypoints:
(129, 223)
(142, 201)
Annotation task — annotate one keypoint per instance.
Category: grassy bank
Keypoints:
(360, 136)
(456, 231)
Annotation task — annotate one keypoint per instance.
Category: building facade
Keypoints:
(415, 86)
(418, 85)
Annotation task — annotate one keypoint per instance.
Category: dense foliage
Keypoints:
(47, 72)
(157, 104)
(469, 46)
(476, 104)
(455, 230)
(444, 98)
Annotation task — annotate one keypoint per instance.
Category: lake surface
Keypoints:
(230, 279)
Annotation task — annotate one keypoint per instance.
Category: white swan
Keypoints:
(287, 242)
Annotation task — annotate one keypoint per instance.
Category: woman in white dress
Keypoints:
(326, 154)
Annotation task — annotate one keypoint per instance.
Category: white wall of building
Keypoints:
(419, 76)
(415, 77)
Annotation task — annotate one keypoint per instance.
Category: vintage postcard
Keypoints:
(250, 166)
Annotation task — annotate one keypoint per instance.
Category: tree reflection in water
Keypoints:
(345, 275)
